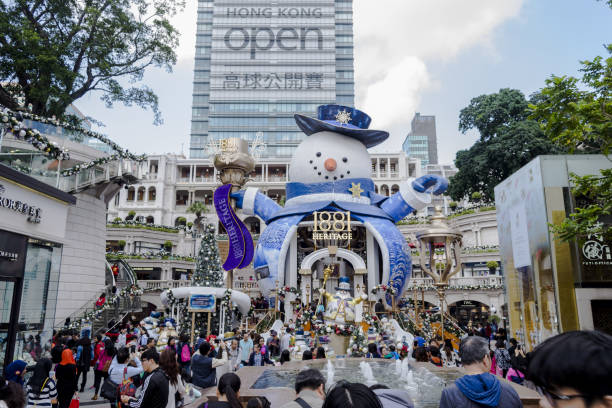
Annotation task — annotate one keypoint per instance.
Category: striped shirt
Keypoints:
(43, 399)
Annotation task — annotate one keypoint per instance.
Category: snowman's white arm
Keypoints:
(256, 203)
(405, 201)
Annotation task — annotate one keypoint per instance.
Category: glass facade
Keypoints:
(418, 147)
(258, 62)
(28, 297)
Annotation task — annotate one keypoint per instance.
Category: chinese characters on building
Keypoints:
(274, 80)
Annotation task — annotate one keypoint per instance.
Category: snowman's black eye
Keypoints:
(319, 173)
(318, 154)
(326, 177)
(311, 162)
(344, 159)
(342, 176)
(335, 178)
(348, 172)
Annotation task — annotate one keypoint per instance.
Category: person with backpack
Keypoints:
(107, 352)
(40, 389)
(184, 353)
(121, 372)
(84, 356)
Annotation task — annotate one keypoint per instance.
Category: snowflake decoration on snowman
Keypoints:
(330, 170)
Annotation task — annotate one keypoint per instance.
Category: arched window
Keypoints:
(131, 194)
(394, 189)
(141, 194)
(152, 194)
(384, 190)
(150, 219)
(139, 218)
(252, 223)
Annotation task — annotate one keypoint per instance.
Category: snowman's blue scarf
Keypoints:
(483, 389)
(295, 189)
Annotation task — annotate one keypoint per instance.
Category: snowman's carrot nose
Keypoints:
(330, 164)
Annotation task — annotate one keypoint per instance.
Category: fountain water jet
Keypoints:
(330, 373)
(366, 371)
(398, 367)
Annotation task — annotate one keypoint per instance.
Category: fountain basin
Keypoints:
(277, 382)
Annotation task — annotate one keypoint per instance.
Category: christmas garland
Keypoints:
(358, 344)
(132, 291)
(372, 321)
(14, 121)
(284, 290)
(339, 329)
(32, 136)
(385, 288)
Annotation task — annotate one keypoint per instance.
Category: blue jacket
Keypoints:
(477, 391)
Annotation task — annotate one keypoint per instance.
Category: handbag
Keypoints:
(75, 402)
(127, 386)
(109, 389)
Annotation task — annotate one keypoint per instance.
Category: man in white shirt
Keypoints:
(246, 348)
(122, 338)
(285, 340)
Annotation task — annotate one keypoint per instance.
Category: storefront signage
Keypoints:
(13, 249)
(596, 259)
(32, 212)
(202, 303)
(332, 225)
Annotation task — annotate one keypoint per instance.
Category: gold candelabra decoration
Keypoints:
(447, 262)
(234, 163)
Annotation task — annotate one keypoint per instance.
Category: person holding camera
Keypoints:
(204, 366)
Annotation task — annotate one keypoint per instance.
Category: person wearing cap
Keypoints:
(327, 172)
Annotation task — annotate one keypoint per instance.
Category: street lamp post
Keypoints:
(448, 260)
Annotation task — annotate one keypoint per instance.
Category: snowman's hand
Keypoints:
(239, 197)
(423, 183)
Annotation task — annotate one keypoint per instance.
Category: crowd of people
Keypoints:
(573, 369)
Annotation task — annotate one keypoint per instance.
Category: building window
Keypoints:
(141, 194)
(131, 193)
(152, 194)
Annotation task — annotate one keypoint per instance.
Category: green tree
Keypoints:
(53, 52)
(514, 142)
(208, 270)
(197, 208)
(577, 115)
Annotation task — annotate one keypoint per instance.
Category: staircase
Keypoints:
(119, 308)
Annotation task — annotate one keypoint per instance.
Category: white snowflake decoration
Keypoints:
(258, 146)
(343, 117)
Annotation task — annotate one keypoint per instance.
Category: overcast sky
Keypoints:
(428, 56)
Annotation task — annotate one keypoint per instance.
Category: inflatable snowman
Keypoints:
(331, 171)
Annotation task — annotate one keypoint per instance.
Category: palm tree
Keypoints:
(197, 208)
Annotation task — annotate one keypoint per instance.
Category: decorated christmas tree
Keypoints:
(208, 270)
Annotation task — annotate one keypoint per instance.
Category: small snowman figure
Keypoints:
(331, 171)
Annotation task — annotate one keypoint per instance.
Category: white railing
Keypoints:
(471, 281)
(94, 175)
(153, 285)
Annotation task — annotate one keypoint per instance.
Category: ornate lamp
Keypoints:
(447, 241)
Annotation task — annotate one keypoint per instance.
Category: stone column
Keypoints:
(292, 278)
(372, 263)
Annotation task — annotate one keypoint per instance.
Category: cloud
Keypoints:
(396, 39)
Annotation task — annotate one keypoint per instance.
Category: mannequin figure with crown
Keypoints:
(340, 305)
(331, 171)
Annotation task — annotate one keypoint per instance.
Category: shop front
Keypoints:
(32, 230)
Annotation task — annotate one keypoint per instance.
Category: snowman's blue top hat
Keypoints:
(344, 283)
(344, 120)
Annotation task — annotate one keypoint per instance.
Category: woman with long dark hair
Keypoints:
(228, 393)
(320, 353)
(66, 375)
(107, 352)
(41, 390)
(11, 394)
(176, 387)
(348, 395)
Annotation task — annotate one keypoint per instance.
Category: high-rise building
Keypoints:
(258, 62)
(422, 142)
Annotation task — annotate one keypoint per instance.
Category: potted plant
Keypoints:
(168, 246)
(130, 215)
(121, 244)
(476, 196)
(453, 205)
(492, 265)
(117, 219)
(181, 221)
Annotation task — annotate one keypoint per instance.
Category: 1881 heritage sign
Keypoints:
(332, 225)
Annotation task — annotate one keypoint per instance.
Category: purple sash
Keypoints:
(241, 248)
